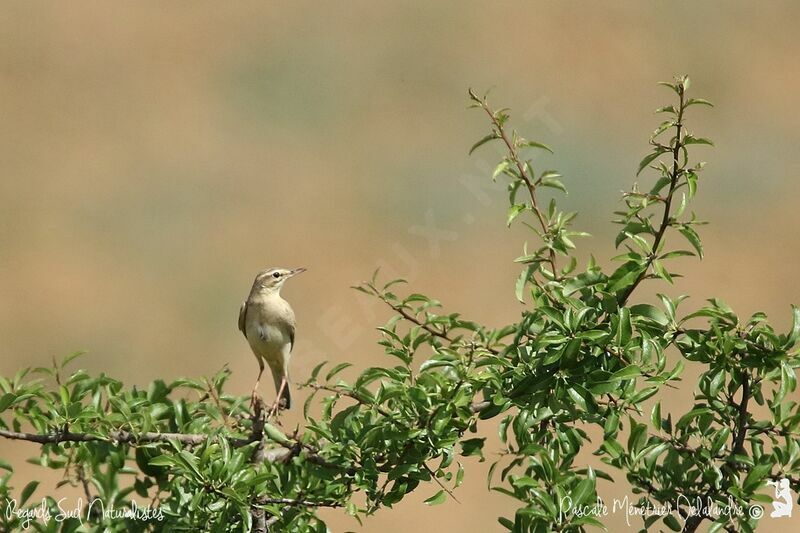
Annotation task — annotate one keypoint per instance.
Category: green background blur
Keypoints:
(155, 156)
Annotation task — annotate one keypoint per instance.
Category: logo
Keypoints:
(61, 511)
(782, 502)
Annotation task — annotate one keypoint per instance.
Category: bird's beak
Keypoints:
(296, 271)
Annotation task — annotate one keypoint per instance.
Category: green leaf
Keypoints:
(613, 448)
(472, 446)
(660, 183)
(554, 184)
(664, 126)
(276, 434)
(522, 280)
(693, 238)
(592, 334)
(436, 363)
(553, 356)
(677, 253)
(624, 327)
(533, 144)
(691, 183)
(436, 499)
(64, 392)
(719, 440)
(794, 334)
(315, 372)
(492, 136)
(581, 397)
(689, 139)
(582, 492)
(628, 372)
(611, 427)
(71, 357)
(624, 276)
(649, 158)
(686, 419)
(716, 383)
(661, 272)
(501, 168)
(756, 476)
(788, 379)
(672, 86)
(649, 311)
(655, 416)
(671, 522)
(581, 281)
(697, 101)
(247, 517)
(513, 212)
(571, 351)
(27, 492)
(637, 437)
(162, 460)
(335, 370)
(506, 523)
(6, 400)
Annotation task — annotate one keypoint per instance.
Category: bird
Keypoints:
(268, 323)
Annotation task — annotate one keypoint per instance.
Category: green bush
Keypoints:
(583, 354)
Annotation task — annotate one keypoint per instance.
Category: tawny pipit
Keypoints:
(267, 321)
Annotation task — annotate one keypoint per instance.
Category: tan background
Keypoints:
(155, 156)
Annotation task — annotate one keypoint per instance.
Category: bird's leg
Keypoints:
(278, 405)
(254, 397)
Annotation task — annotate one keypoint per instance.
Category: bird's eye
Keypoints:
(276, 275)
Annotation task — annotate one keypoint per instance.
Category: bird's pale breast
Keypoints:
(266, 327)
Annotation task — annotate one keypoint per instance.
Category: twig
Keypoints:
(297, 502)
(121, 437)
(621, 357)
(439, 482)
(217, 402)
(673, 183)
(738, 448)
(271, 455)
(741, 424)
(427, 327)
(257, 513)
(84, 482)
(529, 182)
(353, 396)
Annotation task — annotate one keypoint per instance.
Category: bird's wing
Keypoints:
(243, 318)
(289, 320)
(291, 335)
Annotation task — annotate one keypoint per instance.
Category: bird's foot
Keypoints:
(276, 408)
(255, 400)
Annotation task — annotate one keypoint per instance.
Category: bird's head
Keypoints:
(272, 279)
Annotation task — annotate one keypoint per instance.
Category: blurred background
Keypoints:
(156, 156)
